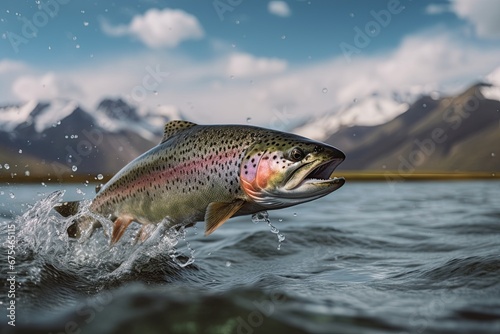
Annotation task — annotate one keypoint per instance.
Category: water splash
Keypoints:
(42, 238)
(263, 216)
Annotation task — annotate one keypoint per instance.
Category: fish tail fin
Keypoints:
(82, 227)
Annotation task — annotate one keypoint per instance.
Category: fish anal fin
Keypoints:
(175, 127)
(218, 212)
(119, 227)
(67, 209)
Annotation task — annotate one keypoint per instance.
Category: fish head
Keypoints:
(283, 169)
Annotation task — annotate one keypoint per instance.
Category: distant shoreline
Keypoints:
(389, 176)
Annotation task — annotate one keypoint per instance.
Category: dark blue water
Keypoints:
(369, 258)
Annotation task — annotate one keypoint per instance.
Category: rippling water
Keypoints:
(372, 257)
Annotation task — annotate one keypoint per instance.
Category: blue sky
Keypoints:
(227, 60)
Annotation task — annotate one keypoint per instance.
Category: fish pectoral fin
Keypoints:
(218, 212)
(119, 227)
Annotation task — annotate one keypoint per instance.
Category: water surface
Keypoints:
(370, 258)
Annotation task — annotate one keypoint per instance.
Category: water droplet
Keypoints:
(283, 36)
(6, 166)
(492, 154)
(351, 14)
(237, 22)
(228, 264)
(155, 92)
(100, 177)
(27, 173)
(20, 151)
(233, 45)
(281, 237)
(424, 105)
(77, 46)
(74, 38)
(295, 214)
(231, 77)
(82, 11)
(249, 119)
(11, 194)
(492, 174)
(85, 23)
(262, 216)
(280, 220)
(50, 48)
(43, 184)
(79, 191)
(325, 90)
(355, 100)
(74, 168)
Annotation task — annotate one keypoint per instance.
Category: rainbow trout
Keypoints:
(211, 173)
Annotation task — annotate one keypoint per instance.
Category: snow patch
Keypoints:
(492, 92)
(53, 113)
(11, 117)
(371, 111)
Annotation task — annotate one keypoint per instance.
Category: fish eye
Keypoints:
(296, 154)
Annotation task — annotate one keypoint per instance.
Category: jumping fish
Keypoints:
(211, 173)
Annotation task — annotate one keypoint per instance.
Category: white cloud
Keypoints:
(483, 14)
(43, 88)
(157, 29)
(436, 9)
(279, 8)
(10, 66)
(243, 65)
(279, 94)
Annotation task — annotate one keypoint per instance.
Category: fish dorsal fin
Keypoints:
(175, 127)
(217, 213)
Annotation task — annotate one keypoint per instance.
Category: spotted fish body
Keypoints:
(213, 172)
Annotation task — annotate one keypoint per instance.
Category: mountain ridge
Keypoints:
(432, 135)
(456, 133)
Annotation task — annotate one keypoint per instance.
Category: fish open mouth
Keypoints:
(319, 178)
(323, 174)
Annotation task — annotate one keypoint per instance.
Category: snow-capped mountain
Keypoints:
(453, 133)
(381, 107)
(379, 131)
(368, 111)
(59, 136)
(112, 115)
